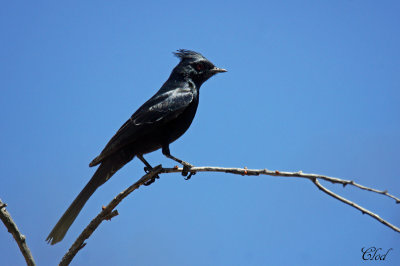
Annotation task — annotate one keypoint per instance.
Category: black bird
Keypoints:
(157, 123)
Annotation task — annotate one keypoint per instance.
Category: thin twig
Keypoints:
(19, 238)
(313, 177)
(245, 171)
(106, 214)
(383, 192)
(354, 205)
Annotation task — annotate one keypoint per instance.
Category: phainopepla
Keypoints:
(157, 123)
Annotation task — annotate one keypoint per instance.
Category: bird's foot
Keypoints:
(151, 181)
(190, 175)
(186, 170)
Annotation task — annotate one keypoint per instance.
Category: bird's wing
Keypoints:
(159, 109)
(164, 107)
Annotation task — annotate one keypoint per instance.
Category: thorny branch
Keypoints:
(19, 238)
(108, 212)
(352, 204)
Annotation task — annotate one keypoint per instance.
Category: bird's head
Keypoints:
(195, 66)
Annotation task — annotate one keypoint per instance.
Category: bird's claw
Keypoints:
(151, 181)
(186, 170)
(190, 175)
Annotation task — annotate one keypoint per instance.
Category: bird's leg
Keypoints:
(147, 169)
(186, 165)
(148, 166)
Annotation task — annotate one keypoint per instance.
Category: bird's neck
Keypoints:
(182, 81)
(185, 77)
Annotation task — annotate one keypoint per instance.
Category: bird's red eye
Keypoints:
(199, 67)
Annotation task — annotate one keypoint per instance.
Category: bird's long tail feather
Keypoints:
(102, 174)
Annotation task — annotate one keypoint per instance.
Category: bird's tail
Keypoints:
(102, 174)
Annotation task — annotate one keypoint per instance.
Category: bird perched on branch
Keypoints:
(157, 123)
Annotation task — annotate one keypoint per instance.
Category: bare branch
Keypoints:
(245, 171)
(354, 205)
(107, 212)
(19, 238)
(383, 192)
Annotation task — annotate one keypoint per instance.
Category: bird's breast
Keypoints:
(168, 132)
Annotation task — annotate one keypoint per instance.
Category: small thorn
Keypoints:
(277, 172)
(103, 207)
(176, 167)
(112, 215)
(82, 246)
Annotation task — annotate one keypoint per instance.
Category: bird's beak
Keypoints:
(216, 70)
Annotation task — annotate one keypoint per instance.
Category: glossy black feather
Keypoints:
(157, 123)
(155, 113)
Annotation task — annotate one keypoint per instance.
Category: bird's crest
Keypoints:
(187, 54)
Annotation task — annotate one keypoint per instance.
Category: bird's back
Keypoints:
(161, 120)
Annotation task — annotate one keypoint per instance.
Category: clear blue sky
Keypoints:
(312, 86)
